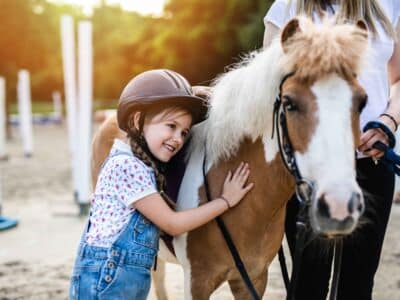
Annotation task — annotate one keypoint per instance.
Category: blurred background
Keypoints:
(197, 38)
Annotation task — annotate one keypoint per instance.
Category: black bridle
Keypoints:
(304, 193)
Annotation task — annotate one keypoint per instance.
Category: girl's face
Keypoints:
(165, 132)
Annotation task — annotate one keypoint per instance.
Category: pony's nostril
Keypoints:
(360, 207)
(323, 207)
(355, 203)
(351, 206)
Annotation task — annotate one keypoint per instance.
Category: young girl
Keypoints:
(128, 210)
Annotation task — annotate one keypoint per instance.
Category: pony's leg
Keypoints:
(201, 286)
(158, 277)
(240, 291)
(201, 291)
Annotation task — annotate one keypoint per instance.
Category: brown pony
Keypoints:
(321, 100)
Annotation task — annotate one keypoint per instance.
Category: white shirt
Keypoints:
(374, 79)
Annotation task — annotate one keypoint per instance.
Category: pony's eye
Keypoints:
(289, 104)
(184, 134)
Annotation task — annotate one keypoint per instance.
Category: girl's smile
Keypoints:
(165, 133)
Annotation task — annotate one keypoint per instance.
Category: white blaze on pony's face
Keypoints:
(322, 102)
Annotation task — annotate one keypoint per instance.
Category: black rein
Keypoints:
(229, 241)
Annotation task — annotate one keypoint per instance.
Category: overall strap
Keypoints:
(118, 153)
(126, 231)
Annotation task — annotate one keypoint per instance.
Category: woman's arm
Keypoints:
(156, 210)
(202, 91)
(394, 79)
(371, 136)
(270, 32)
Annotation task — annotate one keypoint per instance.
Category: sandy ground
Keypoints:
(36, 257)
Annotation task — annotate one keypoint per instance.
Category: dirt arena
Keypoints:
(36, 257)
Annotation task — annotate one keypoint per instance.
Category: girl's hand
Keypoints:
(235, 187)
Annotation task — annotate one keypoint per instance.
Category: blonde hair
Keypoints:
(350, 11)
(336, 49)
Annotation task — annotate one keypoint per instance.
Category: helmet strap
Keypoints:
(141, 122)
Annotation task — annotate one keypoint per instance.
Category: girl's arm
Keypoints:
(157, 211)
(393, 109)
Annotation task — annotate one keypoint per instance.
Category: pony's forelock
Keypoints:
(336, 49)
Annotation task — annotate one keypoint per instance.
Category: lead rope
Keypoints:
(337, 263)
(229, 241)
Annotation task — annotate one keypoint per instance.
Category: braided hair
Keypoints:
(137, 149)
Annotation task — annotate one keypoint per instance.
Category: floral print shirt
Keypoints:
(123, 180)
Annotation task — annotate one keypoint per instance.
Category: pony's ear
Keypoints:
(363, 29)
(290, 29)
(361, 24)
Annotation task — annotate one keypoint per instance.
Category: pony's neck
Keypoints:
(242, 103)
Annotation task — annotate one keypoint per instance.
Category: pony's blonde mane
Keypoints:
(335, 49)
(243, 98)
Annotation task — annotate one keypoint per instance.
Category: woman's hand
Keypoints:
(235, 187)
(370, 137)
(202, 91)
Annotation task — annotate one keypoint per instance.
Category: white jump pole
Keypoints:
(25, 112)
(68, 55)
(1, 193)
(397, 179)
(5, 222)
(57, 105)
(85, 83)
(3, 120)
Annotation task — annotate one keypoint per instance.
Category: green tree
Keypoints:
(113, 30)
(199, 38)
(30, 39)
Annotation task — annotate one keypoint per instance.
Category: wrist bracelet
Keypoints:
(226, 201)
(391, 118)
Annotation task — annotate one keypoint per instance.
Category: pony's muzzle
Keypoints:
(332, 217)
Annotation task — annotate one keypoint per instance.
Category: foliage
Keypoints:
(198, 38)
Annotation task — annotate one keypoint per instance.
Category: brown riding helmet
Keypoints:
(159, 87)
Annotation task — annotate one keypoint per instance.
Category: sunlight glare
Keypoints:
(144, 7)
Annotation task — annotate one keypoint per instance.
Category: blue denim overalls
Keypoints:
(121, 271)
